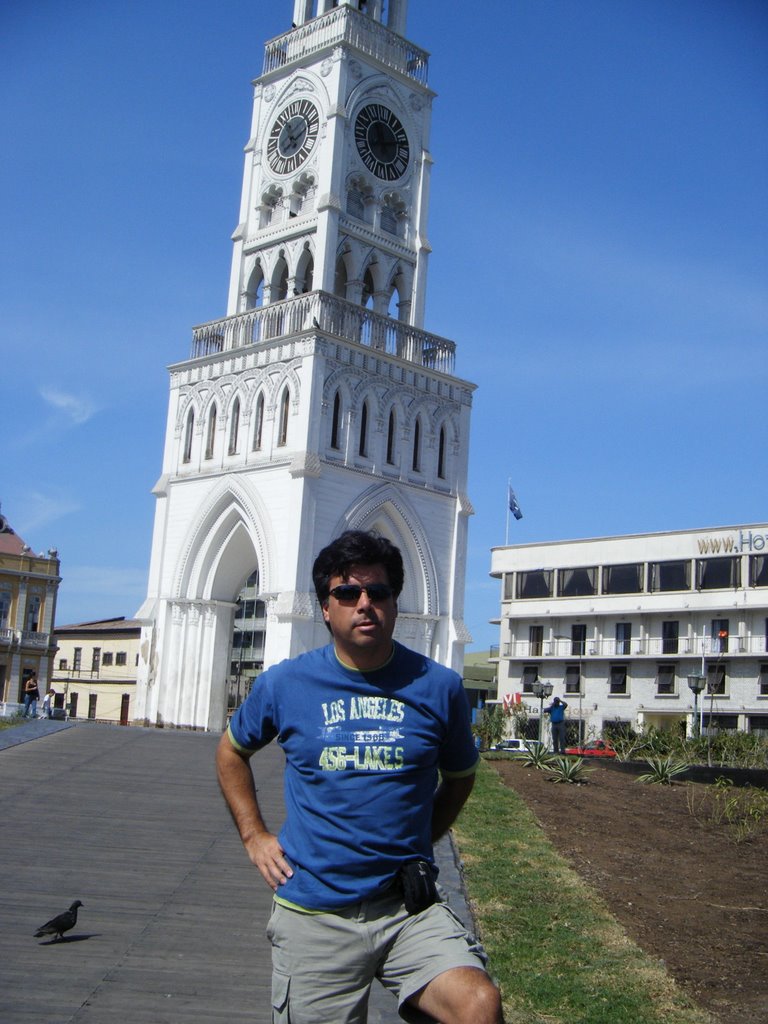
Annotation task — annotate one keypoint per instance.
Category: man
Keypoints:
(366, 726)
(31, 697)
(556, 712)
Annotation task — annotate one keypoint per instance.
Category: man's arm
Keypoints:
(450, 797)
(262, 847)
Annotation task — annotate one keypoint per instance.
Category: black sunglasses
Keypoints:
(350, 592)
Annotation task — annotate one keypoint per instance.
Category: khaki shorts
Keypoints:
(323, 965)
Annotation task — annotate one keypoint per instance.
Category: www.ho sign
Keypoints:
(745, 542)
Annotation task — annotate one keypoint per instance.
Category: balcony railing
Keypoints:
(332, 315)
(346, 25)
(639, 647)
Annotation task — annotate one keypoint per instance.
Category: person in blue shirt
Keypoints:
(556, 712)
(379, 762)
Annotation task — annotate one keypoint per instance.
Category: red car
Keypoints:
(595, 748)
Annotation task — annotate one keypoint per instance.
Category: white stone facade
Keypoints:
(617, 624)
(319, 403)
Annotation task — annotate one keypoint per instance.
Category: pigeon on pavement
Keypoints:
(60, 924)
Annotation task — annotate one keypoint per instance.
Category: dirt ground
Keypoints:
(684, 891)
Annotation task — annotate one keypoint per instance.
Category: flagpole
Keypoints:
(506, 532)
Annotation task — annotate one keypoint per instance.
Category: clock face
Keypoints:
(293, 136)
(381, 142)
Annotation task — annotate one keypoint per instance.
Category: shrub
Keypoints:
(536, 756)
(743, 813)
(568, 769)
(662, 771)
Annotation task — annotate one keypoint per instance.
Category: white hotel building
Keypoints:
(618, 624)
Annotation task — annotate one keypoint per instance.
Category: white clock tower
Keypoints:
(319, 403)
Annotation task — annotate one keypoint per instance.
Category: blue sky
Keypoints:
(599, 224)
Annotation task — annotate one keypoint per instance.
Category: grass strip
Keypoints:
(555, 950)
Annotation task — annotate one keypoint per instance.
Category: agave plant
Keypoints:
(662, 771)
(536, 756)
(568, 769)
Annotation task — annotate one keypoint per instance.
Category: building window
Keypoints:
(211, 435)
(509, 581)
(107, 659)
(535, 640)
(578, 640)
(529, 677)
(617, 683)
(536, 583)
(188, 435)
(5, 608)
(391, 438)
(32, 622)
(336, 422)
(665, 680)
(718, 573)
(258, 428)
(121, 658)
(720, 633)
(716, 679)
(581, 582)
(416, 461)
(670, 576)
(96, 660)
(670, 634)
(62, 664)
(622, 579)
(762, 681)
(77, 656)
(573, 679)
(441, 455)
(282, 437)
(234, 428)
(758, 571)
(362, 448)
(623, 638)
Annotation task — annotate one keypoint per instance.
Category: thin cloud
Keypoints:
(78, 409)
(42, 509)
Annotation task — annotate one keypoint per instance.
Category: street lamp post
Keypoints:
(696, 682)
(541, 690)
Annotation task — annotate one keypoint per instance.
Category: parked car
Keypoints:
(595, 748)
(519, 746)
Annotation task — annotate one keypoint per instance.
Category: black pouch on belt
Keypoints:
(418, 884)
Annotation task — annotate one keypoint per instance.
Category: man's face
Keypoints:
(362, 629)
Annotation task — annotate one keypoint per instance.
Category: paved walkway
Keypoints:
(131, 822)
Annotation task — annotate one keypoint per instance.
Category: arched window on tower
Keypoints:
(363, 444)
(282, 435)
(188, 435)
(416, 460)
(391, 438)
(336, 422)
(254, 293)
(210, 437)
(340, 278)
(441, 455)
(258, 428)
(368, 289)
(280, 281)
(234, 428)
(305, 273)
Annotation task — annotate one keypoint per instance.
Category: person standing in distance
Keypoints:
(556, 712)
(379, 761)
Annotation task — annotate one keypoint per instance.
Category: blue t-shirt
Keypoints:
(363, 751)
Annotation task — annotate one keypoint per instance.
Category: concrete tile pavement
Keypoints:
(131, 822)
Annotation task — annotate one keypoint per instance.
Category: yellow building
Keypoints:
(29, 584)
(95, 668)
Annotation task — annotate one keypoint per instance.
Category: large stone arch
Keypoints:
(384, 509)
(231, 525)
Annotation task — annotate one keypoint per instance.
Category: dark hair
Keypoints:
(356, 547)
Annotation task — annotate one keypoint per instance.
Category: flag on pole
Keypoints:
(514, 508)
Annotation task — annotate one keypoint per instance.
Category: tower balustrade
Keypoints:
(333, 316)
(346, 25)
